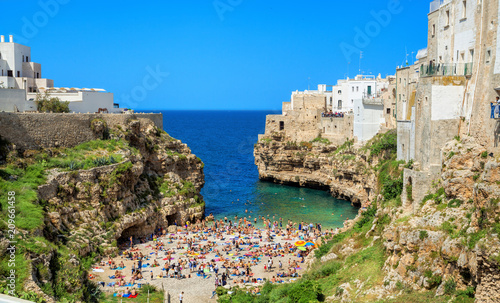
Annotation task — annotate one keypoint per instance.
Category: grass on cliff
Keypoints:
(23, 177)
(383, 145)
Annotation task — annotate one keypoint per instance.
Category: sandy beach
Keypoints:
(198, 257)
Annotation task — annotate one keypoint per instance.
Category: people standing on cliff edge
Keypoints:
(495, 108)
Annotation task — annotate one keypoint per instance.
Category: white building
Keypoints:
(347, 91)
(21, 80)
(16, 69)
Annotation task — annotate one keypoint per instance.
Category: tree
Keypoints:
(46, 103)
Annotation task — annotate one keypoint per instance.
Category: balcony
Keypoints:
(373, 99)
(449, 69)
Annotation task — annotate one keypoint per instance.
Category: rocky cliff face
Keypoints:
(453, 235)
(344, 171)
(156, 183)
(446, 247)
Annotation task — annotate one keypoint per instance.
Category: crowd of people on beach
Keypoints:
(227, 251)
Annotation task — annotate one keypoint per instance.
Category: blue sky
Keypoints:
(222, 54)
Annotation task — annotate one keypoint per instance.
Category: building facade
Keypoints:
(21, 80)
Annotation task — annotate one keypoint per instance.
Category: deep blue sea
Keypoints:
(224, 141)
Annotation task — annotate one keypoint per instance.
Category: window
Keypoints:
(18, 74)
(27, 59)
(464, 9)
(9, 73)
(353, 89)
(340, 92)
(488, 56)
(331, 100)
(282, 125)
(447, 18)
(23, 58)
(357, 88)
(340, 104)
(388, 111)
(471, 53)
(433, 30)
(38, 75)
(399, 97)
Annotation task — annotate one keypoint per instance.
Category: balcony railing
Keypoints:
(450, 69)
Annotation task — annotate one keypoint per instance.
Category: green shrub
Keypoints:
(450, 286)
(366, 217)
(484, 155)
(46, 103)
(409, 192)
(392, 187)
(384, 142)
(469, 292)
(455, 203)
(321, 140)
(423, 234)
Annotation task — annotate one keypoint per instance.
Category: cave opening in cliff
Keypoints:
(135, 231)
(173, 219)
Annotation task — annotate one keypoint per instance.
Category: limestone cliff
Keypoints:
(453, 234)
(345, 171)
(444, 249)
(93, 197)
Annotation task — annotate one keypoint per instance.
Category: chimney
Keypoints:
(2, 38)
(11, 39)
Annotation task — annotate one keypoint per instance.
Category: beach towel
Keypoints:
(111, 277)
(98, 270)
(145, 265)
(126, 296)
(129, 285)
(121, 268)
(133, 296)
(111, 284)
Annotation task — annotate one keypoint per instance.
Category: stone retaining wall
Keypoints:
(42, 130)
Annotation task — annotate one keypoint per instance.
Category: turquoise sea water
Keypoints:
(224, 141)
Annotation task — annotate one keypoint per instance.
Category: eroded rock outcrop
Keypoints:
(453, 236)
(156, 183)
(344, 171)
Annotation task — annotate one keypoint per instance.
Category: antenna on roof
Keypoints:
(406, 57)
(360, 57)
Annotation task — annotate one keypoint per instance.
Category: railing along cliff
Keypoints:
(451, 69)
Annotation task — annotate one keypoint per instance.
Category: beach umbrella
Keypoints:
(310, 244)
(301, 248)
(300, 243)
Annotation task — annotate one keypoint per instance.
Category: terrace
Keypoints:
(448, 69)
